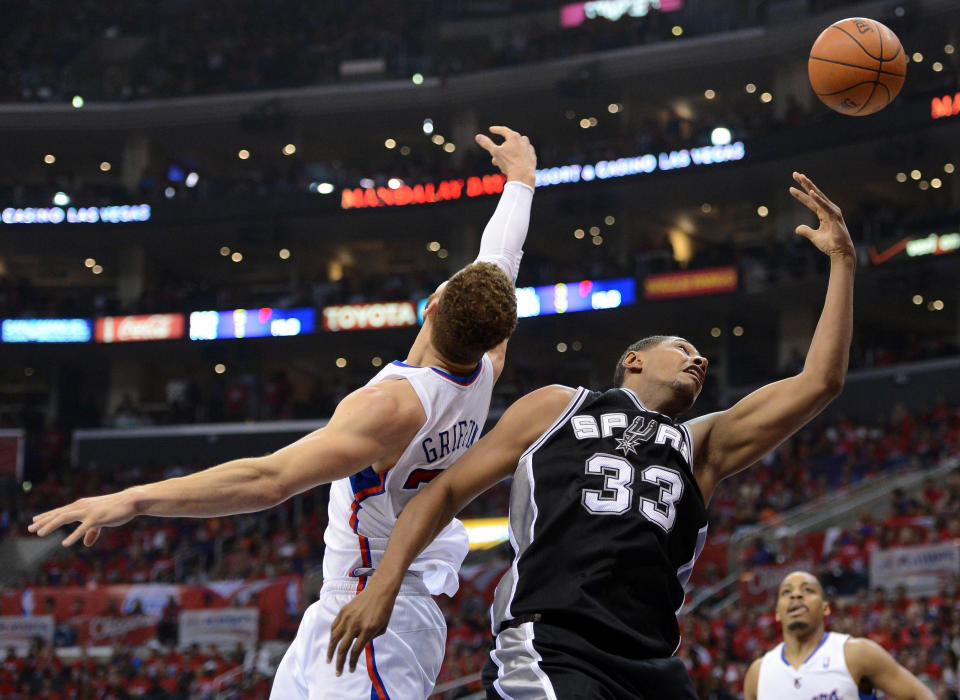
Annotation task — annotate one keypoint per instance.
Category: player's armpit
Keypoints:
(868, 661)
(751, 680)
(367, 426)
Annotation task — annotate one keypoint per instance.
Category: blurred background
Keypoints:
(218, 219)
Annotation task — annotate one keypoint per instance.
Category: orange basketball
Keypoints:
(857, 66)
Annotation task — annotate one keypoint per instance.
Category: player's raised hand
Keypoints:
(92, 514)
(360, 620)
(831, 236)
(515, 157)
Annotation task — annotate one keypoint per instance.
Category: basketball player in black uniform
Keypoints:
(608, 506)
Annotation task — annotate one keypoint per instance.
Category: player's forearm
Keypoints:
(505, 233)
(419, 523)
(239, 486)
(829, 353)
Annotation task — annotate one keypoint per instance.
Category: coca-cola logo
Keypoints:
(124, 329)
(364, 316)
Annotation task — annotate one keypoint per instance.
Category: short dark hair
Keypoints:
(476, 312)
(620, 372)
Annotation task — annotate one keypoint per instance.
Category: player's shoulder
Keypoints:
(552, 395)
(861, 648)
(393, 399)
(751, 680)
(543, 404)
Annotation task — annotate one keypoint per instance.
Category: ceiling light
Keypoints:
(677, 30)
(389, 144)
(762, 211)
(325, 188)
(417, 79)
(49, 159)
(449, 147)
(428, 126)
(191, 180)
(243, 154)
(219, 368)
(750, 88)
(224, 251)
(61, 199)
(284, 253)
(77, 102)
(237, 256)
(709, 94)
(720, 136)
(916, 174)
(901, 177)
(289, 149)
(105, 166)
(917, 299)
(96, 269)
(766, 97)
(89, 262)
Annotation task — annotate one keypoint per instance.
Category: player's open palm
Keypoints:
(92, 513)
(360, 620)
(515, 157)
(831, 236)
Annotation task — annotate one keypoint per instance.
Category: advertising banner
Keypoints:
(125, 329)
(918, 568)
(18, 632)
(225, 627)
(46, 330)
(353, 317)
(131, 612)
(251, 323)
(673, 285)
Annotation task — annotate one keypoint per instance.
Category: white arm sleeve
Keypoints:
(502, 241)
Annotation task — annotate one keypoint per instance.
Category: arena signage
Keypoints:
(575, 14)
(641, 165)
(404, 195)
(123, 329)
(46, 330)
(127, 213)
(352, 317)
(946, 106)
(673, 285)
(251, 323)
(448, 190)
(934, 244)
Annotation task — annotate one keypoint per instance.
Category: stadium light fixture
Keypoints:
(720, 136)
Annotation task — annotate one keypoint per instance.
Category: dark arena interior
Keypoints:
(219, 219)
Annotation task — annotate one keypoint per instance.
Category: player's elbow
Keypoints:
(832, 386)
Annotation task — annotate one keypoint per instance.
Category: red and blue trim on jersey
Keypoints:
(365, 484)
(462, 381)
(379, 690)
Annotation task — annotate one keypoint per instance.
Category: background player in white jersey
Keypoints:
(382, 443)
(608, 505)
(811, 663)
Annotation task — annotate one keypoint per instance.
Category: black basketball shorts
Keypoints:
(537, 660)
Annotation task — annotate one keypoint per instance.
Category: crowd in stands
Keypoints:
(146, 673)
(922, 632)
(111, 51)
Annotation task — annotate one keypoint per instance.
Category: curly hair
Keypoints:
(476, 312)
(620, 373)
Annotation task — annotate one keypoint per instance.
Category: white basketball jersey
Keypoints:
(364, 508)
(823, 676)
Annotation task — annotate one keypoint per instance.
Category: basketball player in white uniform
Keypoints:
(813, 664)
(383, 442)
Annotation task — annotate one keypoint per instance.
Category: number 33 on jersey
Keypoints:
(613, 482)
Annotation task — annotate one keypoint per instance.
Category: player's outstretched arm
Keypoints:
(731, 440)
(493, 458)
(505, 233)
(751, 680)
(366, 427)
(869, 662)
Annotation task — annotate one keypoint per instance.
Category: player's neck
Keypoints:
(654, 400)
(798, 649)
(423, 354)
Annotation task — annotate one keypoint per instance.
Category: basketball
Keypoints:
(857, 66)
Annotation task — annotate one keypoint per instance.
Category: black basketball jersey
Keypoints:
(606, 521)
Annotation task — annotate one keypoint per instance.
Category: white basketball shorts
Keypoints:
(401, 664)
